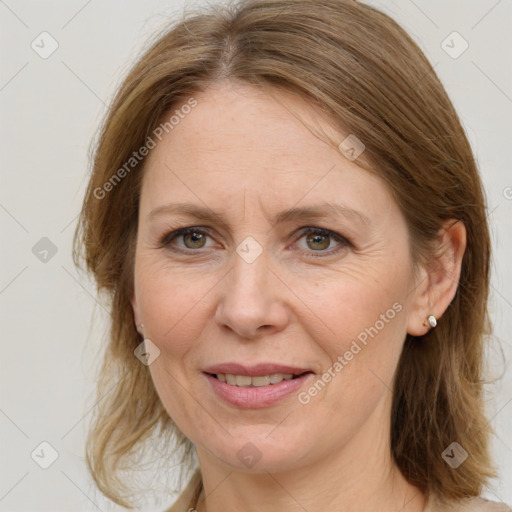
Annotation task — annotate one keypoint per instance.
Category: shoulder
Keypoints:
(473, 504)
(188, 498)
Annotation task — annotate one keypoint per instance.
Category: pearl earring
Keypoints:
(431, 321)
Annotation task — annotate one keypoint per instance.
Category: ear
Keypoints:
(136, 312)
(438, 280)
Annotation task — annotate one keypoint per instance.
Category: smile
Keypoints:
(245, 392)
(244, 381)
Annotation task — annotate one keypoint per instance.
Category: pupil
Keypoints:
(316, 238)
(196, 237)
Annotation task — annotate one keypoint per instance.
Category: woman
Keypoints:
(287, 216)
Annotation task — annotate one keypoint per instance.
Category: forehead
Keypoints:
(238, 142)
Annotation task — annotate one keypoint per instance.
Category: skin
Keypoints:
(247, 156)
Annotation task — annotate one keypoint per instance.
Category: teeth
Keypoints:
(275, 378)
(245, 381)
(260, 381)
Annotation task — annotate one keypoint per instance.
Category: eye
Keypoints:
(318, 240)
(193, 238)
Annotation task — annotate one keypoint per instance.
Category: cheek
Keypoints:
(361, 320)
(345, 304)
(172, 304)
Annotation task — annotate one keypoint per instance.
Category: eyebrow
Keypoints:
(313, 212)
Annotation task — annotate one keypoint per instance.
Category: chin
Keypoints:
(256, 451)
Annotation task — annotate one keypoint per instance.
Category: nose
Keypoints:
(252, 300)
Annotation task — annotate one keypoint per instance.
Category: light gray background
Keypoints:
(51, 324)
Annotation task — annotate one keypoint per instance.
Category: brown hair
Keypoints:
(361, 68)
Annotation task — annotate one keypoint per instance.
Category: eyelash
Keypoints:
(165, 241)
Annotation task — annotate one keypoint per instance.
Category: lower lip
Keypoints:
(252, 397)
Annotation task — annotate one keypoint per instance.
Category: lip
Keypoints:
(256, 397)
(255, 370)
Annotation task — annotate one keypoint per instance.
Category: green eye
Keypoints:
(196, 239)
(318, 240)
(321, 241)
(193, 238)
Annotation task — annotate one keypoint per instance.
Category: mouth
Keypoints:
(258, 386)
(257, 381)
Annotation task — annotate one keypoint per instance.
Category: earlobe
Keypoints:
(440, 279)
(420, 304)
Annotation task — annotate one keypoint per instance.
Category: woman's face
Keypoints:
(330, 292)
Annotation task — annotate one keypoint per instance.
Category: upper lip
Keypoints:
(254, 370)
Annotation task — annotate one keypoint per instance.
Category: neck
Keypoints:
(362, 472)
